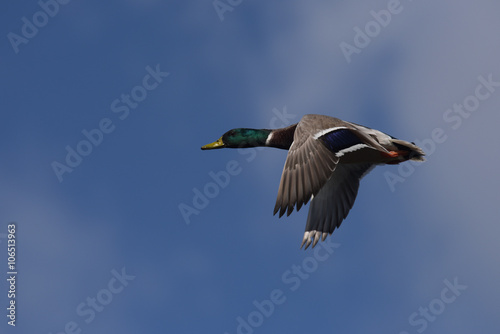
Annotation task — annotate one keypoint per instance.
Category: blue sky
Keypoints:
(105, 248)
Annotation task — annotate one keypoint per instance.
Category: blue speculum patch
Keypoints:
(340, 139)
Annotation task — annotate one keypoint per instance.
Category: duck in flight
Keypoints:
(327, 157)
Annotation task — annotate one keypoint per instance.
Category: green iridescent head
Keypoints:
(240, 138)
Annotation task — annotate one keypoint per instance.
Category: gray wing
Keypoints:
(309, 165)
(332, 204)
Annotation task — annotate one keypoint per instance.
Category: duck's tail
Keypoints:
(409, 151)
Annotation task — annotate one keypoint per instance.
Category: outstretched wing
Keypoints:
(309, 165)
(333, 202)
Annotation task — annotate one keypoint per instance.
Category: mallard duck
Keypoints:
(327, 157)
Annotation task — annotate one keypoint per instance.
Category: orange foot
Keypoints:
(402, 155)
(391, 154)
